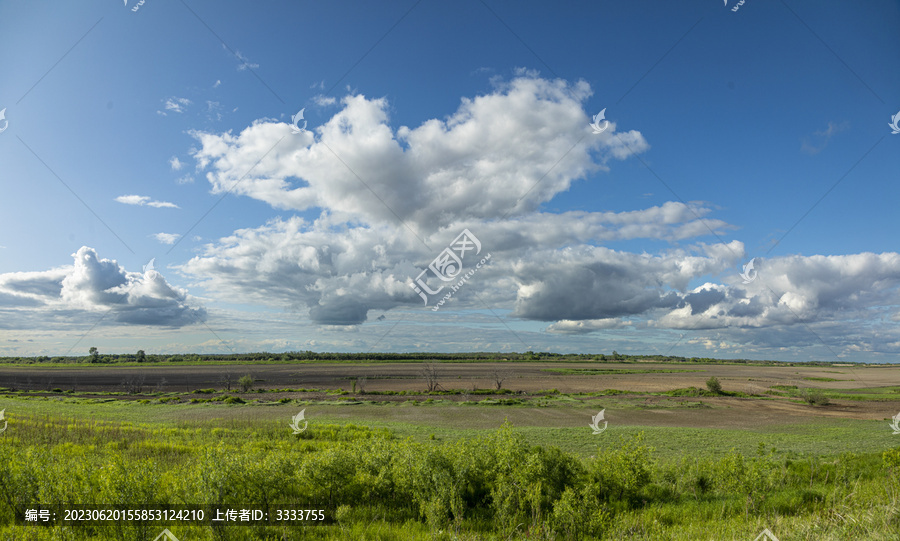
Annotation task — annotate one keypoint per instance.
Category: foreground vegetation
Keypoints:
(373, 484)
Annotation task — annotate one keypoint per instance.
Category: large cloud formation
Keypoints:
(99, 285)
(505, 152)
(389, 200)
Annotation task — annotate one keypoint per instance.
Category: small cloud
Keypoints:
(175, 163)
(177, 104)
(217, 83)
(245, 62)
(141, 200)
(323, 101)
(213, 108)
(162, 204)
(166, 238)
(819, 140)
(186, 179)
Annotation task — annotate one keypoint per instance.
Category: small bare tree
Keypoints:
(429, 372)
(133, 384)
(499, 375)
(228, 379)
(361, 384)
(161, 384)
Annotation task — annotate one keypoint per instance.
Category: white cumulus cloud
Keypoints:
(142, 200)
(166, 238)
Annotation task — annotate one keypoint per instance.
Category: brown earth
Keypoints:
(526, 378)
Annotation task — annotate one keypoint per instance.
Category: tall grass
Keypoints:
(373, 485)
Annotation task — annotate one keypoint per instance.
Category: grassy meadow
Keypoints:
(448, 465)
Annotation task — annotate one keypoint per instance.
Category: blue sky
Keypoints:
(165, 133)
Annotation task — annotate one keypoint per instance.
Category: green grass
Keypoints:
(562, 422)
(642, 482)
(382, 474)
(873, 394)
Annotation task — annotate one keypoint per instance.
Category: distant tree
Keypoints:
(141, 356)
(227, 379)
(133, 384)
(95, 355)
(246, 382)
(429, 372)
(713, 385)
(499, 376)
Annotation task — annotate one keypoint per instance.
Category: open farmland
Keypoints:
(686, 461)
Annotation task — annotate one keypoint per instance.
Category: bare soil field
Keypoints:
(526, 379)
(527, 376)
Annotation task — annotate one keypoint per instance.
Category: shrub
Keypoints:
(246, 382)
(815, 397)
(713, 385)
(234, 400)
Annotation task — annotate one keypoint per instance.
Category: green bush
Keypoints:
(713, 385)
(815, 397)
